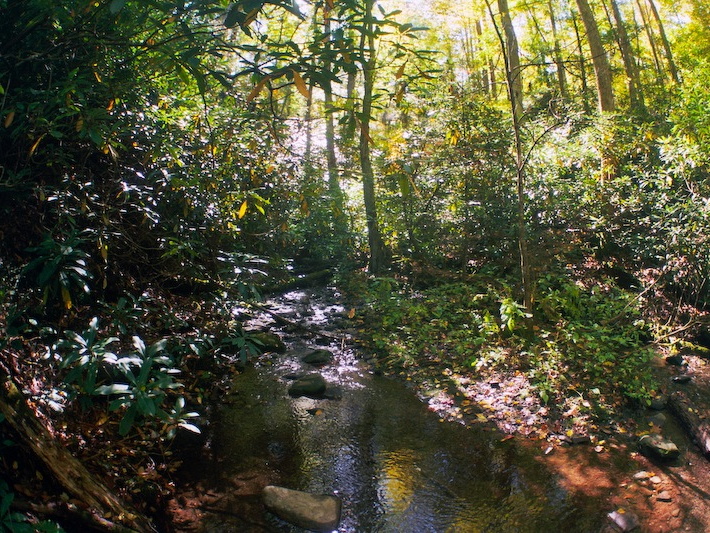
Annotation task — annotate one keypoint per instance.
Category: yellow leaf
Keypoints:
(36, 144)
(104, 252)
(79, 124)
(242, 210)
(9, 118)
(351, 313)
(400, 71)
(300, 84)
(66, 298)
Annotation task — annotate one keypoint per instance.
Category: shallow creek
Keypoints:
(396, 466)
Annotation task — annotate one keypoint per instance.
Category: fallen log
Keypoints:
(697, 427)
(67, 469)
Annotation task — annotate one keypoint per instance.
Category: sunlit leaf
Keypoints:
(257, 89)
(66, 298)
(400, 71)
(300, 84)
(190, 427)
(35, 145)
(242, 210)
(9, 118)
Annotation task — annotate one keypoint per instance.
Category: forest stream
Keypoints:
(394, 463)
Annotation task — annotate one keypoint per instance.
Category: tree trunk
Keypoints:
(664, 41)
(374, 238)
(627, 55)
(602, 70)
(559, 63)
(582, 66)
(334, 189)
(511, 70)
(69, 472)
(651, 42)
(514, 73)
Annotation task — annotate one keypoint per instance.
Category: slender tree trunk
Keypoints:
(559, 63)
(367, 47)
(602, 70)
(511, 71)
(582, 65)
(514, 73)
(660, 75)
(630, 66)
(487, 72)
(334, 189)
(664, 41)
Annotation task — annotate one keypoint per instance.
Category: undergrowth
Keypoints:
(580, 338)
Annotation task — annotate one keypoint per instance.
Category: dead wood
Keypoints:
(697, 427)
(68, 471)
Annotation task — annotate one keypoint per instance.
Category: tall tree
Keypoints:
(559, 63)
(600, 61)
(664, 41)
(368, 62)
(514, 73)
(628, 57)
(334, 189)
(645, 23)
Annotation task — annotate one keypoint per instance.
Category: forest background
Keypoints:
(514, 184)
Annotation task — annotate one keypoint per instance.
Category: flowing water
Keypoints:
(396, 466)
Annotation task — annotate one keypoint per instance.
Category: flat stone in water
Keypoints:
(658, 420)
(659, 403)
(315, 512)
(271, 342)
(311, 385)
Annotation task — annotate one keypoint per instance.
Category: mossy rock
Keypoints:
(310, 385)
(318, 357)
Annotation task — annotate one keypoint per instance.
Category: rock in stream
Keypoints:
(315, 512)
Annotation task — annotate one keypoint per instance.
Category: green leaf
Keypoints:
(234, 16)
(127, 421)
